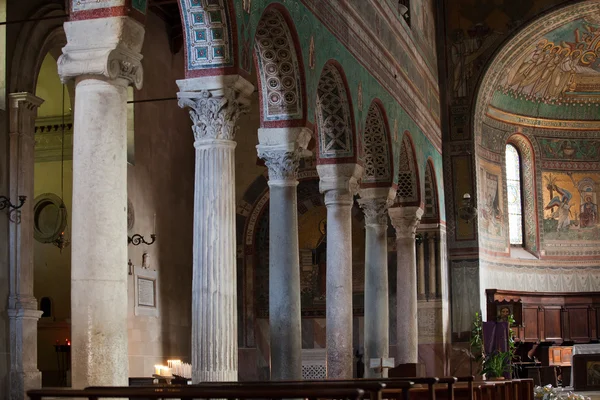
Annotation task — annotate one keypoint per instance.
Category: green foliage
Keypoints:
(476, 341)
(496, 364)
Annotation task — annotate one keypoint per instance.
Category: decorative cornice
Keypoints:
(104, 47)
(215, 105)
(405, 220)
(339, 182)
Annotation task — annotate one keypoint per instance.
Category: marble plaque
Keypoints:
(146, 292)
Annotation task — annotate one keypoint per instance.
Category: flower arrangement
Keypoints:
(551, 393)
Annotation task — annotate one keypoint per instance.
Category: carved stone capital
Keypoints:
(104, 47)
(339, 182)
(215, 109)
(282, 149)
(405, 220)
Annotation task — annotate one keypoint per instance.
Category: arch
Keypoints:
(210, 37)
(280, 71)
(529, 192)
(375, 148)
(46, 306)
(35, 40)
(335, 118)
(431, 197)
(513, 50)
(409, 188)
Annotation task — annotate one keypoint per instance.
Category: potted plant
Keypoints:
(495, 365)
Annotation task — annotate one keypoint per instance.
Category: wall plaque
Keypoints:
(146, 292)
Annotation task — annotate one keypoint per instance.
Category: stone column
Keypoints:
(405, 221)
(282, 148)
(375, 203)
(214, 103)
(432, 266)
(339, 184)
(421, 267)
(103, 55)
(23, 311)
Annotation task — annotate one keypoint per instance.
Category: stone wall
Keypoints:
(161, 187)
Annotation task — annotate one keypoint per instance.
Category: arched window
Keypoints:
(46, 307)
(513, 190)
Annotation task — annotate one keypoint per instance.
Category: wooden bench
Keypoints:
(190, 392)
(372, 388)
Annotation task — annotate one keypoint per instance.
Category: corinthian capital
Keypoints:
(339, 182)
(282, 149)
(104, 47)
(375, 203)
(405, 220)
(215, 105)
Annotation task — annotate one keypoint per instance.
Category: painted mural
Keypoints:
(491, 202)
(571, 206)
(570, 149)
(560, 68)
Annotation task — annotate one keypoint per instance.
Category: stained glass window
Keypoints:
(513, 188)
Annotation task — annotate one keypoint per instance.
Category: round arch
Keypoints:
(336, 133)
(409, 184)
(375, 148)
(280, 69)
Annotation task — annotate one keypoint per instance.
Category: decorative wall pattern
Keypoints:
(376, 148)
(569, 149)
(85, 5)
(279, 69)
(208, 37)
(333, 116)
(408, 190)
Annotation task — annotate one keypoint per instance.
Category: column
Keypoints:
(374, 203)
(339, 184)
(432, 266)
(282, 148)
(405, 221)
(103, 56)
(22, 310)
(215, 104)
(421, 267)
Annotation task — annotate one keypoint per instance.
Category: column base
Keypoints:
(408, 370)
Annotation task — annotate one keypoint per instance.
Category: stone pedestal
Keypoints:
(104, 57)
(405, 221)
(215, 104)
(339, 184)
(22, 310)
(282, 148)
(375, 203)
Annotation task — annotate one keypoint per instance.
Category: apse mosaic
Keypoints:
(562, 68)
(571, 206)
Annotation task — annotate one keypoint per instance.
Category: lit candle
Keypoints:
(157, 370)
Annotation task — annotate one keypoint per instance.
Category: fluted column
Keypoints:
(432, 265)
(215, 104)
(405, 221)
(375, 203)
(421, 267)
(282, 148)
(339, 184)
(23, 311)
(102, 69)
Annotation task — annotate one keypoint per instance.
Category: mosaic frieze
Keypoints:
(569, 149)
(208, 36)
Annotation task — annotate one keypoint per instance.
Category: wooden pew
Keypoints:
(189, 393)
(373, 389)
